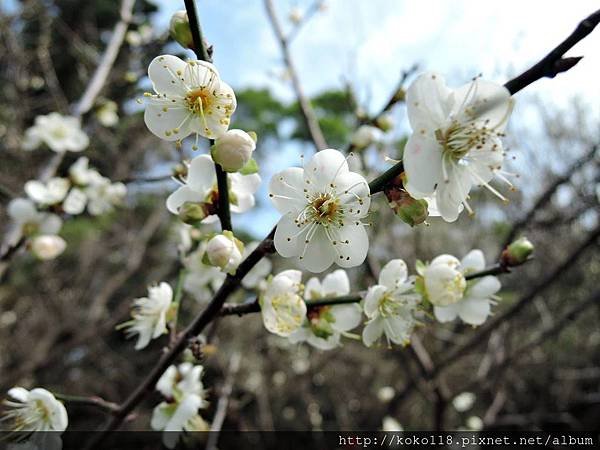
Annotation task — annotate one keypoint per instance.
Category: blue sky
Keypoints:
(369, 43)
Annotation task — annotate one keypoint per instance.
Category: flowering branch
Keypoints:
(311, 121)
(254, 307)
(554, 63)
(230, 285)
(202, 53)
(490, 326)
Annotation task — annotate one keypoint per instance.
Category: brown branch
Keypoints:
(484, 331)
(554, 63)
(97, 402)
(310, 119)
(547, 195)
(230, 285)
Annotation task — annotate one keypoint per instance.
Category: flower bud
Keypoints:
(365, 136)
(192, 213)
(517, 252)
(408, 209)
(233, 150)
(47, 246)
(296, 15)
(225, 251)
(385, 122)
(179, 29)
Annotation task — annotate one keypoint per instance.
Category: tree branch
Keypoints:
(230, 285)
(223, 210)
(97, 402)
(554, 63)
(310, 119)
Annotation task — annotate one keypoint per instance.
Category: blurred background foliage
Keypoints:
(57, 318)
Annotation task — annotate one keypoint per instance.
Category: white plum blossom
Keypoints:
(150, 315)
(201, 280)
(47, 246)
(30, 221)
(325, 325)
(200, 186)
(390, 305)
(50, 193)
(256, 277)
(179, 381)
(474, 306)
(189, 98)
(391, 425)
(81, 174)
(282, 307)
(98, 193)
(103, 195)
(60, 133)
(34, 410)
(185, 395)
(225, 251)
(233, 150)
(443, 280)
(323, 205)
(455, 142)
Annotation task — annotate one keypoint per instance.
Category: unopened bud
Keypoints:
(233, 150)
(47, 246)
(385, 122)
(192, 213)
(365, 136)
(517, 253)
(408, 209)
(225, 251)
(179, 29)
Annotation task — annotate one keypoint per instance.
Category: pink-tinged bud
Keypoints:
(179, 29)
(517, 252)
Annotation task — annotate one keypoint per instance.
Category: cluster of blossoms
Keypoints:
(59, 133)
(38, 217)
(184, 394)
(34, 411)
(391, 306)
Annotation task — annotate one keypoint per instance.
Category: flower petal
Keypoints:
(163, 123)
(353, 244)
(452, 193)
(484, 288)
(473, 261)
(445, 313)
(163, 72)
(428, 102)
(286, 190)
(180, 196)
(484, 101)
(286, 242)
(393, 274)
(347, 317)
(422, 165)
(319, 254)
(313, 289)
(372, 331)
(373, 298)
(201, 174)
(336, 283)
(474, 311)
(324, 168)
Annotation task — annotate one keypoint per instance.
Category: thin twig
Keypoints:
(554, 63)
(223, 403)
(310, 119)
(484, 331)
(98, 402)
